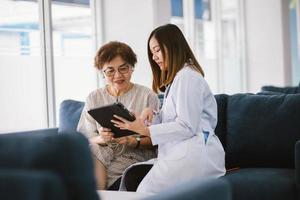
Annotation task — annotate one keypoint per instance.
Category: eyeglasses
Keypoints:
(122, 69)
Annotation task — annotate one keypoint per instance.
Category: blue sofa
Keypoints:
(259, 134)
(55, 164)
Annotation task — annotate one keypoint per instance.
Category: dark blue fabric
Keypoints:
(39, 131)
(135, 175)
(285, 90)
(69, 114)
(262, 184)
(262, 130)
(215, 189)
(297, 167)
(31, 185)
(67, 155)
(221, 128)
(161, 99)
(269, 93)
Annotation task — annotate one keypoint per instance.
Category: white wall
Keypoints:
(267, 41)
(132, 21)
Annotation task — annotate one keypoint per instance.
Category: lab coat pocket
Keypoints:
(169, 112)
(178, 151)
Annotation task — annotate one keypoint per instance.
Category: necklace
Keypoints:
(116, 93)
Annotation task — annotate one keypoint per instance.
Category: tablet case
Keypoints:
(104, 114)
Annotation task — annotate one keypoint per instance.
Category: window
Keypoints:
(294, 19)
(74, 70)
(213, 29)
(27, 97)
(22, 85)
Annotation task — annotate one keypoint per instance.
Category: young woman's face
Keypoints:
(157, 54)
(117, 73)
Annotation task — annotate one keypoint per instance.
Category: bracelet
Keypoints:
(138, 140)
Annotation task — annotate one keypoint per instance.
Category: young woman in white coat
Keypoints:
(184, 128)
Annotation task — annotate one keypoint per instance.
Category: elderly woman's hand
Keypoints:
(128, 141)
(105, 136)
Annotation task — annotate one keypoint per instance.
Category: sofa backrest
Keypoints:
(259, 130)
(283, 90)
(255, 130)
(69, 114)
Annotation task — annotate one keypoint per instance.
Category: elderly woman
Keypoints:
(116, 61)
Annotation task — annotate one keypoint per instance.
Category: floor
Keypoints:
(121, 195)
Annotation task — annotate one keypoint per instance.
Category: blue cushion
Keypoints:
(262, 130)
(69, 114)
(25, 184)
(262, 184)
(284, 90)
(266, 92)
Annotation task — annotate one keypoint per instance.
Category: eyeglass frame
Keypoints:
(118, 69)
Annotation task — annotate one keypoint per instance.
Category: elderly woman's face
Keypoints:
(117, 73)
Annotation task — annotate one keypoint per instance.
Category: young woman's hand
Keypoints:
(105, 135)
(147, 116)
(137, 125)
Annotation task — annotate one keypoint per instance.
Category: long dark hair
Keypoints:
(175, 51)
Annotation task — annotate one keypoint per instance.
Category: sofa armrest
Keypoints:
(67, 155)
(31, 185)
(38, 131)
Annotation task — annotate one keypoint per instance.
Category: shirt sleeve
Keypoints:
(153, 102)
(187, 98)
(87, 125)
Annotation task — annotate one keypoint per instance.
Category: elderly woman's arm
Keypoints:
(132, 141)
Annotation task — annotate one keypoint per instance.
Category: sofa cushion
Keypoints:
(261, 184)
(18, 184)
(69, 114)
(284, 90)
(262, 130)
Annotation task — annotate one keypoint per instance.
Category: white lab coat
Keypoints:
(189, 109)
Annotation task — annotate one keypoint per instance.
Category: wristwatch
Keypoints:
(138, 140)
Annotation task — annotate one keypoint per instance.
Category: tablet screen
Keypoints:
(104, 114)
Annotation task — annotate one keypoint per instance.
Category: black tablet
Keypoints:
(104, 114)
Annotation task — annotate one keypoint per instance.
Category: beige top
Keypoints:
(116, 158)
